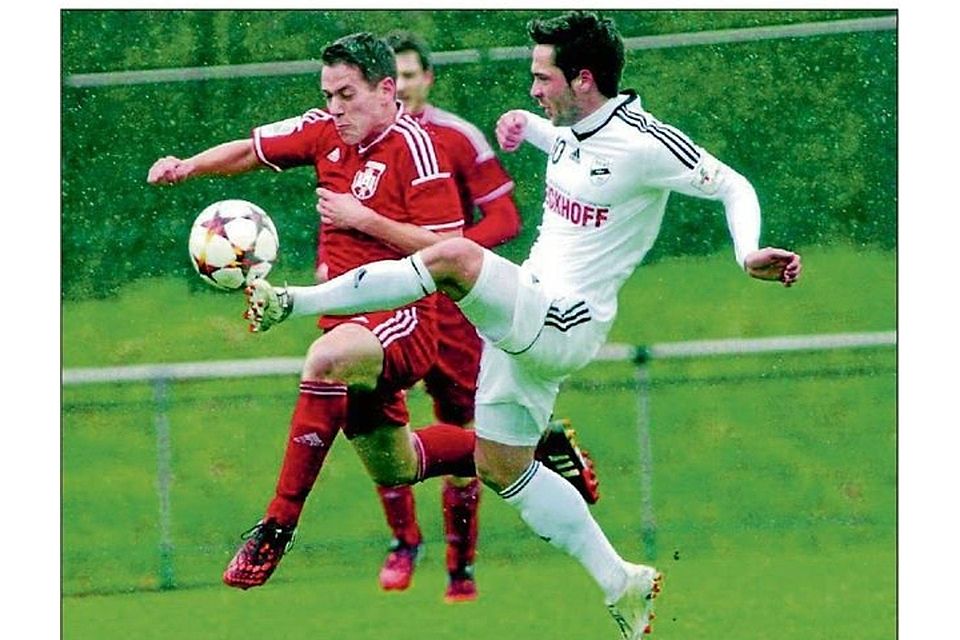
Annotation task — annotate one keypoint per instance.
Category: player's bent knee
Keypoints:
(349, 353)
(453, 258)
(498, 465)
(455, 265)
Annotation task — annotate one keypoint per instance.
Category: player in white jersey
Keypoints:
(611, 168)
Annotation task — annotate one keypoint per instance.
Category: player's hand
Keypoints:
(341, 210)
(772, 263)
(266, 305)
(510, 130)
(169, 170)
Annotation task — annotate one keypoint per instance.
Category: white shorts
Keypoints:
(534, 338)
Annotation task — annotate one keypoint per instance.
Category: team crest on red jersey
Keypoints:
(366, 180)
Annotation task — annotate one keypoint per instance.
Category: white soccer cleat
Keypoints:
(633, 611)
(266, 305)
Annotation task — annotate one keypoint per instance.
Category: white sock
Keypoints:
(556, 512)
(378, 286)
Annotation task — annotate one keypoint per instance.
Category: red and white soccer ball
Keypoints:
(232, 243)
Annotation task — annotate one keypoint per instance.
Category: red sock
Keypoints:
(400, 509)
(460, 523)
(445, 450)
(317, 418)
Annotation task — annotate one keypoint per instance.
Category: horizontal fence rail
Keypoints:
(466, 56)
(161, 376)
(614, 352)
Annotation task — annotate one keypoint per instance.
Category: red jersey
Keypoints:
(401, 175)
(479, 176)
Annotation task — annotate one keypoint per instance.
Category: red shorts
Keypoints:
(452, 381)
(408, 337)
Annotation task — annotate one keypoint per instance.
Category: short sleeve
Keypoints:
(291, 142)
(430, 193)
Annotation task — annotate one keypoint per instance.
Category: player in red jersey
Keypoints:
(366, 146)
(354, 375)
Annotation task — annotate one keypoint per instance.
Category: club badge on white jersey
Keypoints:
(599, 170)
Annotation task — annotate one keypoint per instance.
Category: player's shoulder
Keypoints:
(644, 133)
(409, 139)
(451, 125)
(631, 120)
(406, 134)
(295, 124)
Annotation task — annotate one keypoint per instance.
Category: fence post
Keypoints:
(161, 421)
(648, 522)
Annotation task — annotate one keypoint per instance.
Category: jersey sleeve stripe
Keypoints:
(414, 152)
(316, 115)
(421, 146)
(258, 148)
(425, 144)
(678, 144)
(443, 227)
(503, 189)
(435, 176)
(683, 143)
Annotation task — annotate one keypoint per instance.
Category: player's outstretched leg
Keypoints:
(460, 507)
(559, 451)
(400, 510)
(633, 611)
(553, 509)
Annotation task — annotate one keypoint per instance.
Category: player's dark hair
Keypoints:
(403, 41)
(583, 40)
(368, 53)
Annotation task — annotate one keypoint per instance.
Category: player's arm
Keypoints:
(742, 210)
(345, 211)
(499, 223)
(226, 159)
(713, 180)
(515, 126)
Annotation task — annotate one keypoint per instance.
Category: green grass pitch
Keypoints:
(774, 478)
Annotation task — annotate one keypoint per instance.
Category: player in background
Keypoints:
(377, 354)
(483, 185)
(611, 166)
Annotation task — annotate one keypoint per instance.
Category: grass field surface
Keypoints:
(774, 477)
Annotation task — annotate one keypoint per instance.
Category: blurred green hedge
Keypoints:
(812, 123)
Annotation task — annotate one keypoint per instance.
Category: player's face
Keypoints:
(413, 83)
(360, 111)
(550, 88)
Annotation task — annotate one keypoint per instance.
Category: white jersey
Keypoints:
(607, 183)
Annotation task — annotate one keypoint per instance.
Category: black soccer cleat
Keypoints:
(559, 451)
(258, 557)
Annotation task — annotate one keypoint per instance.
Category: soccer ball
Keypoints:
(232, 243)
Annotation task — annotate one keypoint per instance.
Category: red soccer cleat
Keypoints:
(461, 587)
(258, 557)
(559, 451)
(397, 571)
